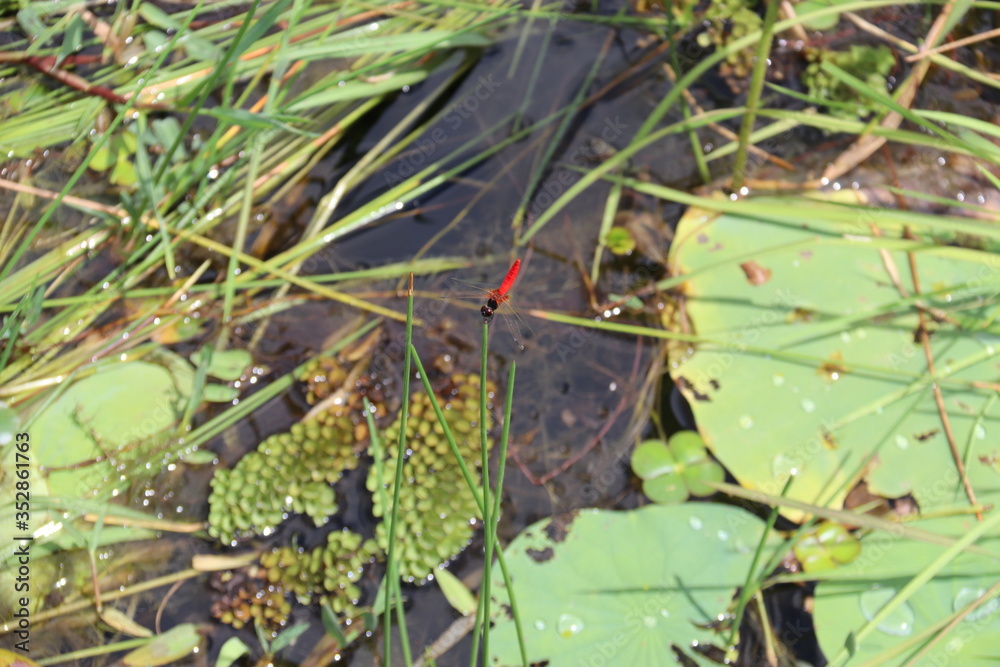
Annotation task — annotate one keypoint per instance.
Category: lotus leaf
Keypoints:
(624, 586)
(808, 363)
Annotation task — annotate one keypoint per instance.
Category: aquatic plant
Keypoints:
(330, 572)
(288, 472)
(243, 598)
(437, 508)
(872, 64)
(673, 470)
(826, 546)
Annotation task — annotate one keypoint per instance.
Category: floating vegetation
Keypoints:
(437, 510)
(671, 471)
(322, 376)
(825, 547)
(289, 472)
(869, 63)
(329, 572)
(727, 21)
(243, 598)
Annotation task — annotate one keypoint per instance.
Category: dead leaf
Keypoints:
(756, 274)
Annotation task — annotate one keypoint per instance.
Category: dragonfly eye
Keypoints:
(486, 311)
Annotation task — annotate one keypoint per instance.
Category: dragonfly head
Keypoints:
(489, 308)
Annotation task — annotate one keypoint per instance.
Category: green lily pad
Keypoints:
(809, 365)
(99, 416)
(674, 470)
(653, 458)
(674, 569)
(887, 563)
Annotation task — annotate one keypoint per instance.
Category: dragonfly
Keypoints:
(498, 302)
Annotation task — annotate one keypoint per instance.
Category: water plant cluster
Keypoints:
(296, 472)
(437, 510)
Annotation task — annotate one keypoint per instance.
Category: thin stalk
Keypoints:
(392, 593)
(501, 466)
(753, 96)
(240, 241)
(752, 583)
(95, 651)
(488, 511)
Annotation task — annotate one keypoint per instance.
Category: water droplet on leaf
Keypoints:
(569, 625)
(967, 596)
(899, 623)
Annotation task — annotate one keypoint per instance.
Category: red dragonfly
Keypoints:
(499, 295)
(498, 301)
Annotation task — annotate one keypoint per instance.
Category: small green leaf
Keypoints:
(229, 365)
(288, 637)
(696, 475)
(166, 130)
(200, 49)
(157, 16)
(72, 38)
(803, 9)
(173, 645)
(825, 547)
(124, 624)
(199, 457)
(458, 594)
(687, 447)
(219, 393)
(619, 241)
(651, 459)
(102, 158)
(124, 171)
(332, 625)
(631, 302)
(665, 489)
(30, 21)
(155, 39)
(231, 651)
